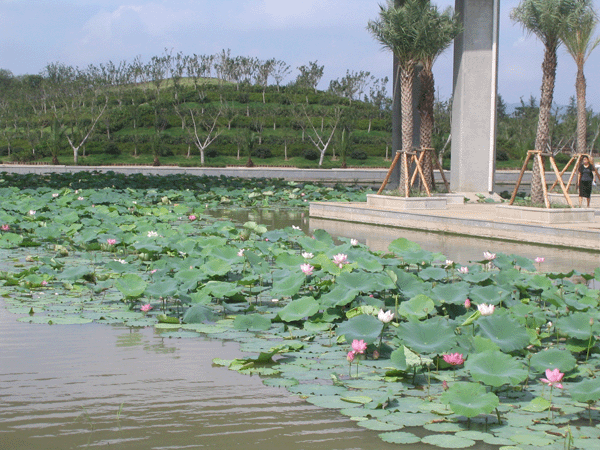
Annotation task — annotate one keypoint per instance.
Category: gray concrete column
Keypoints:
(474, 97)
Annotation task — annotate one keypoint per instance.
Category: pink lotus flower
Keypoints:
(464, 270)
(539, 259)
(5, 227)
(359, 346)
(455, 359)
(444, 385)
(485, 309)
(307, 269)
(350, 356)
(467, 303)
(44, 283)
(340, 259)
(553, 378)
(354, 242)
(111, 241)
(145, 308)
(489, 256)
(192, 217)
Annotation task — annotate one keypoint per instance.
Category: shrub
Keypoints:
(263, 153)
(359, 154)
(112, 149)
(562, 158)
(311, 154)
(502, 155)
(211, 152)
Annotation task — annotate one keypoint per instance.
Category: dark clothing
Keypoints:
(587, 173)
(585, 180)
(585, 188)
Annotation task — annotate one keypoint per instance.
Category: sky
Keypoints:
(34, 33)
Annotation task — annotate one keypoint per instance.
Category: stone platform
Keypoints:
(470, 219)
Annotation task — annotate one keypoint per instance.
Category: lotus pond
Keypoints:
(387, 338)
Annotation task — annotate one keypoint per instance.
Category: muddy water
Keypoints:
(62, 387)
(71, 387)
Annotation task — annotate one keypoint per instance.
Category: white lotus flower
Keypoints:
(489, 256)
(307, 255)
(385, 317)
(485, 309)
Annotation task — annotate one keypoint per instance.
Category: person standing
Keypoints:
(585, 179)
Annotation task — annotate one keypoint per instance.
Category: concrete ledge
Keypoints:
(466, 220)
(404, 203)
(544, 215)
(559, 199)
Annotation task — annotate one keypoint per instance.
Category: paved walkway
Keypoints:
(477, 219)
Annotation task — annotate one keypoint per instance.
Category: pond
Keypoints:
(80, 386)
(86, 386)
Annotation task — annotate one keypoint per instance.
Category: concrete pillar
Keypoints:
(474, 97)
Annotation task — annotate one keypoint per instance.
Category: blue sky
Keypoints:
(332, 32)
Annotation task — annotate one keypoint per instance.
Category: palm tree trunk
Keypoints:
(580, 87)
(542, 137)
(426, 110)
(407, 74)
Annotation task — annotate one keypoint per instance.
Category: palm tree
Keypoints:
(578, 39)
(440, 29)
(398, 30)
(546, 19)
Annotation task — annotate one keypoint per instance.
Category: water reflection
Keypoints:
(78, 386)
(461, 249)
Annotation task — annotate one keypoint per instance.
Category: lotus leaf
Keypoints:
(251, 322)
(399, 437)
(164, 289)
(199, 314)
(433, 336)
(131, 285)
(586, 391)
(553, 358)
(299, 309)
(339, 296)
(448, 441)
(454, 294)
(365, 327)
(433, 273)
(286, 283)
(368, 263)
(577, 325)
(419, 307)
(489, 294)
(538, 404)
(216, 267)
(495, 368)
(504, 331)
(470, 399)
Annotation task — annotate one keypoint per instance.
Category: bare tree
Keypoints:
(205, 128)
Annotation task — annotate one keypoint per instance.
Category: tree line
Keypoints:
(204, 95)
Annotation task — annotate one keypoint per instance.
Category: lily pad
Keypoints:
(470, 399)
(445, 441)
(495, 368)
